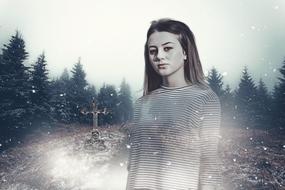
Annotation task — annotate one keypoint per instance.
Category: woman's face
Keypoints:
(166, 54)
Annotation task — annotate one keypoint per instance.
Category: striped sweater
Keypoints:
(174, 140)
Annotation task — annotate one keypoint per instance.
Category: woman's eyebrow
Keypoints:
(161, 44)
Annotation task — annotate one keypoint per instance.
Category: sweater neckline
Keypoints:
(175, 88)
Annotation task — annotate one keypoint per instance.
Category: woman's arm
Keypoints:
(210, 164)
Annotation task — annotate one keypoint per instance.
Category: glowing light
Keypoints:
(77, 169)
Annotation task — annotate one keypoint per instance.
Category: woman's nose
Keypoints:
(160, 54)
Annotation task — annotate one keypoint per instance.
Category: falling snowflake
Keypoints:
(128, 146)
(234, 160)
(168, 163)
(121, 164)
(33, 91)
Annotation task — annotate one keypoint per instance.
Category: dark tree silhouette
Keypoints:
(215, 81)
(245, 99)
(108, 99)
(262, 106)
(14, 87)
(77, 95)
(228, 105)
(60, 90)
(40, 94)
(279, 99)
(125, 105)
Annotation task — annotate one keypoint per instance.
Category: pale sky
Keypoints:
(109, 36)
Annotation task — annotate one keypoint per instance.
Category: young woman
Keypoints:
(175, 132)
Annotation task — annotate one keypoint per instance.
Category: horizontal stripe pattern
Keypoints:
(174, 140)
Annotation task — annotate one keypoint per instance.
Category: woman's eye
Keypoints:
(152, 51)
(167, 48)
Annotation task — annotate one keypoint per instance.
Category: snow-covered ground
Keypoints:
(68, 158)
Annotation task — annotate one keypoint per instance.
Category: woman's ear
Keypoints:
(184, 55)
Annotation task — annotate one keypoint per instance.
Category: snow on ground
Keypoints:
(68, 158)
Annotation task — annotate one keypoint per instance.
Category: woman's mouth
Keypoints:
(162, 66)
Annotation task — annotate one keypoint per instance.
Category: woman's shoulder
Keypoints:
(209, 97)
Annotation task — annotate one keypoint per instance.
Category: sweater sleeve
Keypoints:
(210, 163)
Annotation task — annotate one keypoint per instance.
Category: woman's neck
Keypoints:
(175, 83)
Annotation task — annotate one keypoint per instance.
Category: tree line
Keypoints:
(251, 105)
(29, 99)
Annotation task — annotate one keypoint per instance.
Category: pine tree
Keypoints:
(14, 87)
(279, 100)
(77, 94)
(245, 100)
(108, 99)
(227, 103)
(125, 106)
(40, 96)
(61, 90)
(262, 107)
(215, 81)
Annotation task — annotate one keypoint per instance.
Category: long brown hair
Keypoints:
(192, 67)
